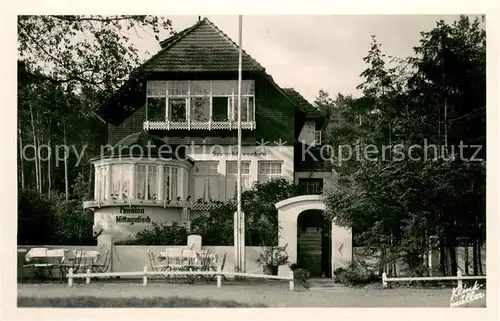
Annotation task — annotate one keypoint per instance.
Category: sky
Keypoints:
(310, 53)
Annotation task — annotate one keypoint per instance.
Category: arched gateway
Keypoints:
(288, 213)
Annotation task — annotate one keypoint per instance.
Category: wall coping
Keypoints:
(298, 199)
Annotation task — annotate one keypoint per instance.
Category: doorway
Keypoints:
(314, 239)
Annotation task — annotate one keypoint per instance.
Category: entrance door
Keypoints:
(313, 243)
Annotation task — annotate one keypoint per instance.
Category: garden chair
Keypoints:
(174, 261)
(104, 265)
(44, 263)
(189, 257)
(156, 267)
(70, 261)
(222, 263)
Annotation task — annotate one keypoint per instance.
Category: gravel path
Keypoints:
(272, 295)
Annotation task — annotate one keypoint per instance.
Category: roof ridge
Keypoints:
(225, 36)
(178, 36)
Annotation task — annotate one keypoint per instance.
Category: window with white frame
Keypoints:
(206, 181)
(232, 178)
(200, 100)
(270, 169)
(120, 181)
(140, 180)
(103, 187)
(170, 183)
(152, 191)
(317, 137)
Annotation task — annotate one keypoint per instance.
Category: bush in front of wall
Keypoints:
(355, 274)
(159, 234)
(301, 275)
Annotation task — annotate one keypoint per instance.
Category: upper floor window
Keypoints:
(317, 137)
(199, 101)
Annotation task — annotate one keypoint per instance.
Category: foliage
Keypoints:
(86, 51)
(300, 274)
(355, 274)
(273, 256)
(261, 215)
(67, 67)
(216, 226)
(400, 208)
(160, 234)
(44, 220)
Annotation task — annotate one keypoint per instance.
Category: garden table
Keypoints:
(43, 260)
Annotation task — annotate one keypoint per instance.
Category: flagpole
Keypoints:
(240, 218)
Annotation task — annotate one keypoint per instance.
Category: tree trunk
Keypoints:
(35, 148)
(90, 181)
(479, 260)
(49, 179)
(40, 169)
(466, 258)
(442, 257)
(21, 158)
(66, 183)
(453, 260)
(474, 256)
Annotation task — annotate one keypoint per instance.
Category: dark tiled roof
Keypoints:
(307, 107)
(204, 48)
(201, 48)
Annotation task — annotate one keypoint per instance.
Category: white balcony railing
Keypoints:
(196, 125)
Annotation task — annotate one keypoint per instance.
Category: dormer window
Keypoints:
(211, 104)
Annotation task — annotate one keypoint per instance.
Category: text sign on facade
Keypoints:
(132, 219)
(235, 153)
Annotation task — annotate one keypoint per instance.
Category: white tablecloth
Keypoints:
(43, 253)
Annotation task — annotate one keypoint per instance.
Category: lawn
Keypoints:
(274, 294)
(135, 302)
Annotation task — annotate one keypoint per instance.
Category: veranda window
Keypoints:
(103, 183)
(152, 183)
(141, 181)
(170, 183)
(120, 179)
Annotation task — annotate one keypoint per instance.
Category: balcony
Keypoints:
(136, 202)
(197, 125)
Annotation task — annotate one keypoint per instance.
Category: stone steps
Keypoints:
(325, 285)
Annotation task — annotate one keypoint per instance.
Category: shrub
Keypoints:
(159, 234)
(44, 220)
(273, 256)
(355, 274)
(301, 275)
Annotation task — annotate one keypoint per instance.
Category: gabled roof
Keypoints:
(311, 111)
(204, 48)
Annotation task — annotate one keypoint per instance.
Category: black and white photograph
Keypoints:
(251, 161)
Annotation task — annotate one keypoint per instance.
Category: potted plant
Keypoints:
(271, 258)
